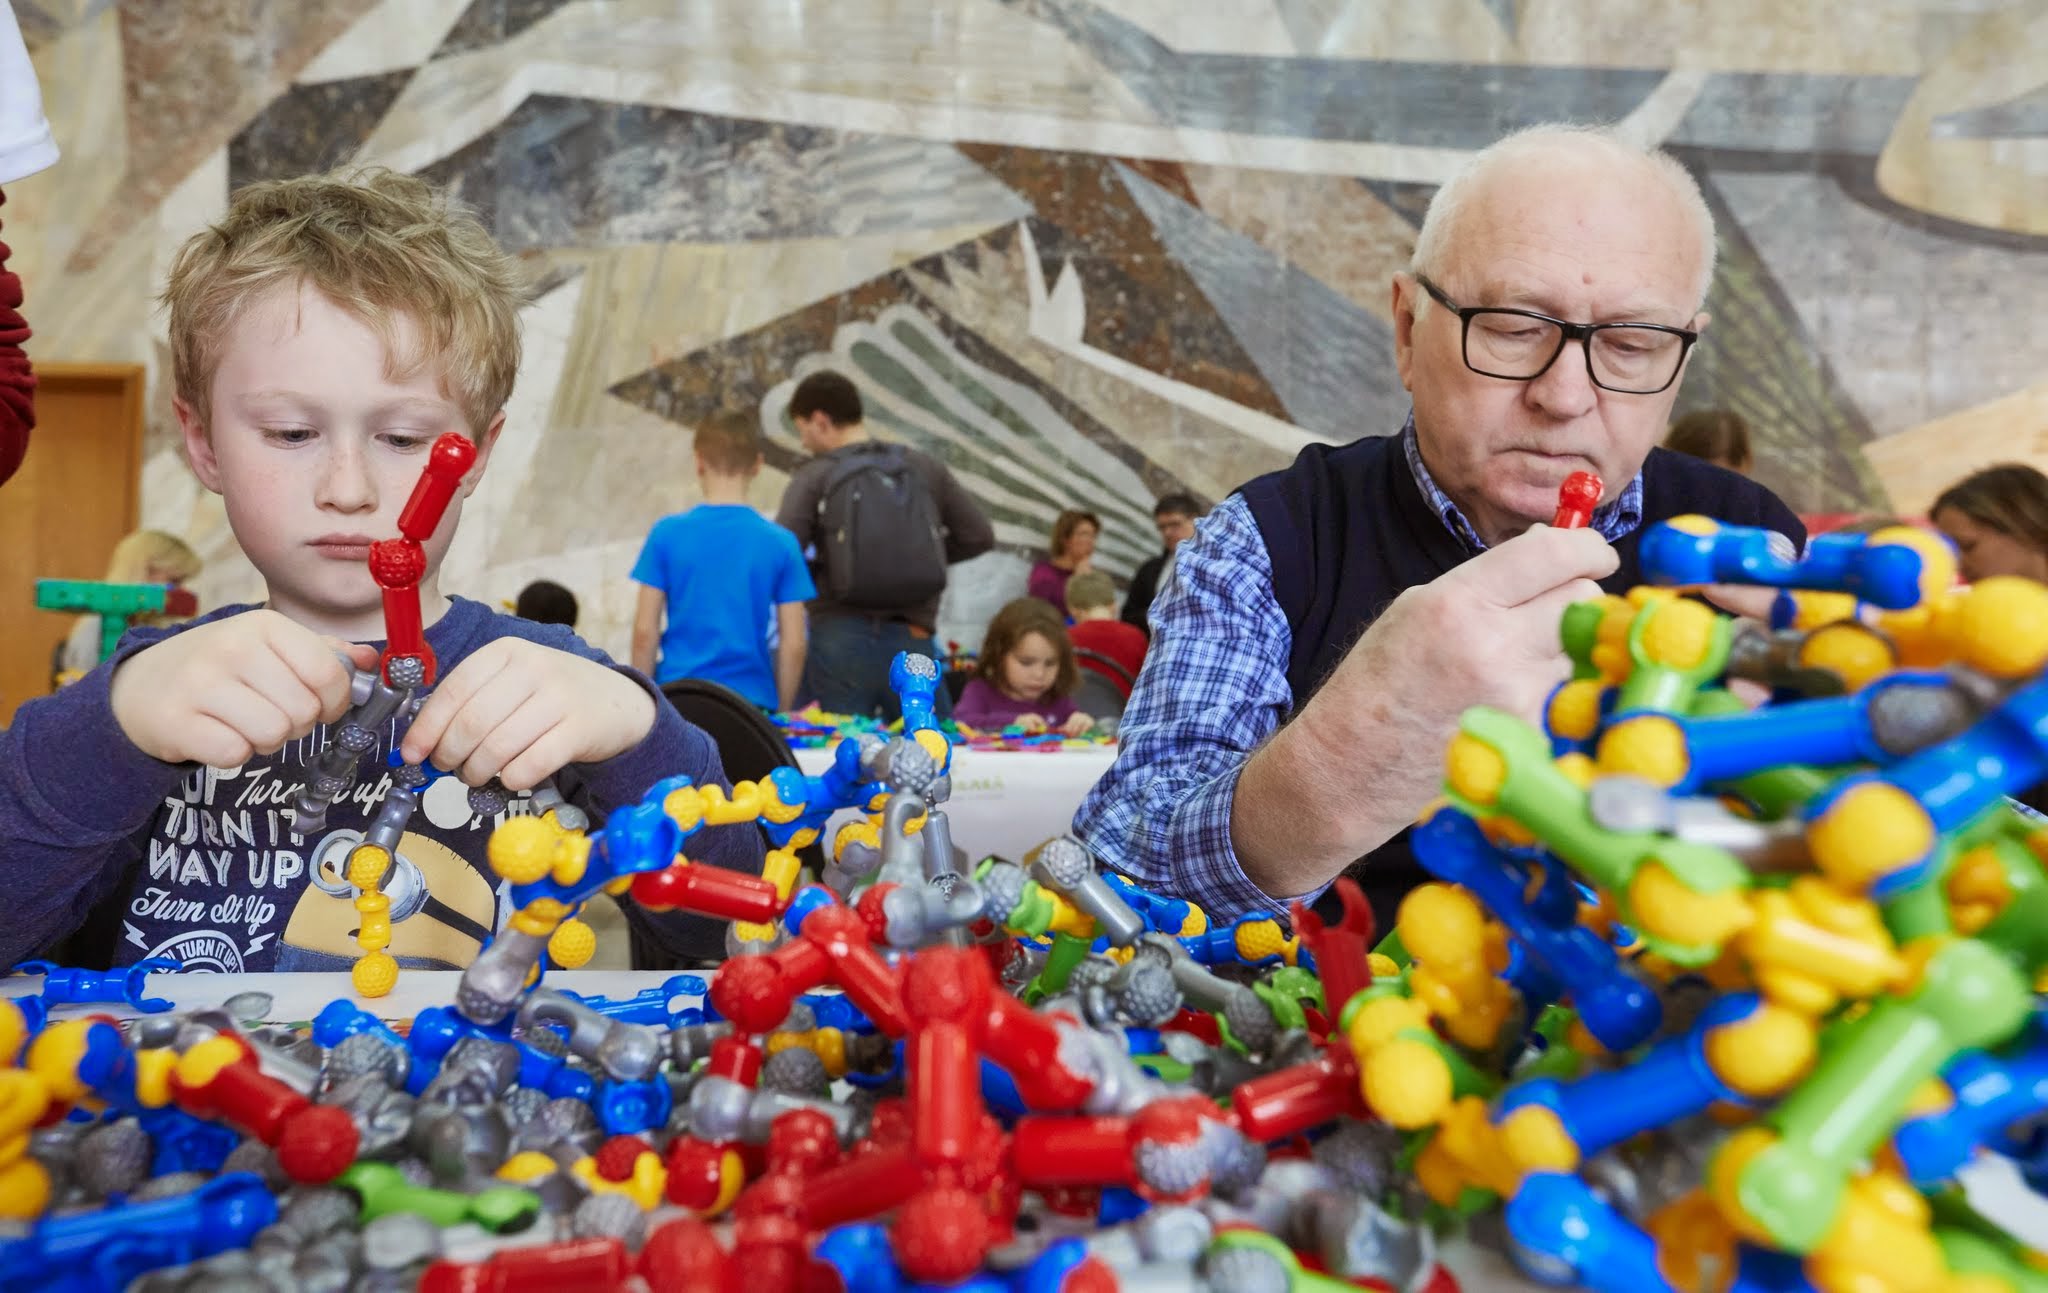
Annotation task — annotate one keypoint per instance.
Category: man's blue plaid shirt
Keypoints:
(1213, 687)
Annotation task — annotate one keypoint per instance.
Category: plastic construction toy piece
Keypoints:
(106, 1249)
(1896, 568)
(398, 564)
(115, 604)
(63, 986)
(1576, 499)
(220, 1077)
(1614, 1000)
(1983, 1096)
(383, 1190)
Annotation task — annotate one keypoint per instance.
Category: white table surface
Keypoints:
(1992, 1184)
(1005, 802)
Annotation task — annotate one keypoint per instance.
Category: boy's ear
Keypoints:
(198, 445)
(484, 444)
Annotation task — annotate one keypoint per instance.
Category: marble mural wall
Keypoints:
(1085, 250)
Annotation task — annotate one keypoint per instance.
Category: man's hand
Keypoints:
(1365, 755)
(519, 711)
(227, 691)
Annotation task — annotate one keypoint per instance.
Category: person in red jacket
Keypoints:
(26, 146)
(17, 382)
(1091, 600)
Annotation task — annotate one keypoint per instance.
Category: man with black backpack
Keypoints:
(881, 522)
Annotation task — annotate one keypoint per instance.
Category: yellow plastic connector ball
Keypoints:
(1441, 923)
(528, 1166)
(1535, 1141)
(1666, 908)
(1880, 1240)
(1725, 1179)
(2001, 628)
(203, 1062)
(1978, 890)
(1694, 524)
(13, 1031)
(1382, 965)
(572, 945)
(1406, 1083)
(1937, 558)
(367, 864)
(374, 974)
(1852, 652)
(1578, 769)
(934, 744)
(522, 849)
(1679, 634)
(1258, 939)
(1575, 709)
(1474, 770)
(1871, 831)
(1382, 1019)
(1765, 1053)
(24, 1190)
(1649, 746)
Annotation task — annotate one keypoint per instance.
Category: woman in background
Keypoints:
(1998, 520)
(144, 557)
(1073, 550)
(1712, 435)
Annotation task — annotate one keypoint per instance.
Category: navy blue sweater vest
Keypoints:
(1347, 529)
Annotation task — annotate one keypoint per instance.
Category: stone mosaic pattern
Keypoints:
(1086, 250)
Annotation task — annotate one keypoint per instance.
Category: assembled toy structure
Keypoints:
(1704, 997)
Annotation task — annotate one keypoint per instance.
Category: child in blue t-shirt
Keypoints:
(725, 578)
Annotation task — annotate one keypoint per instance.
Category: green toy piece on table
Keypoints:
(115, 604)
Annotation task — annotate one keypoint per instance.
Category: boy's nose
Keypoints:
(345, 486)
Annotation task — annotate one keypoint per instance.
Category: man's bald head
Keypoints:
(1547, 156)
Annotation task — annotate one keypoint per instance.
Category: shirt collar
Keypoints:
(1620, 516)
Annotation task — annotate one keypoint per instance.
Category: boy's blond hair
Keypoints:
(1090, 590)
(380, 245)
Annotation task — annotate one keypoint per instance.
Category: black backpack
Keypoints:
(880, 547)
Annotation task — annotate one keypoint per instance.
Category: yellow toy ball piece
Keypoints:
(572, 945)
(367, 864)
(1693, 524)
(522, 849)
(2001, 628)
(1258, 939)
(1575, 709)
(1872, 830)
(202, 1063)
(1665, 908)
(1937, 558)
(1725, 1178)
(1855, 653)
(1406, 1083)
(24, 1190)
(1764, 1053)
(1474, 770)
(1536, 1141)
(374, 975)
(1380, 1020)
(1440, 923)
(1679, 634)
(1650, 746)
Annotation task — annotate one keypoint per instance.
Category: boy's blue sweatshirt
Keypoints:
(203, 862)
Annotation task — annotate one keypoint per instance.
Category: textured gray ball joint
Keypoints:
(1245, 1270)
(626, 1052)
(798, 1072)
(462, 1141)
(400, 1242)
(1358, 1239)
(1002, 888)
(1065, 866)
(610, 1216)
(1251, 1022)
(914, 914)
(113, 1158)
(496, 979)
(367, 1055)
(477, 1071)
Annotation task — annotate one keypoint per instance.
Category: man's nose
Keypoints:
(1565, 390)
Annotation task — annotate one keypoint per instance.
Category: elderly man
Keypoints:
(1320, 635)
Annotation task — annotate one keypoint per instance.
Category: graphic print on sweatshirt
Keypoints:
(227, 885)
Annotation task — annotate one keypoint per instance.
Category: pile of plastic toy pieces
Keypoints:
(1710, 997)
(812, 728)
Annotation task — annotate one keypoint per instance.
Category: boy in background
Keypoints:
(1091, 600)
(323, 334)
(719, 574)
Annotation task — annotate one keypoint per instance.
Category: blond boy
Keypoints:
(322, 335)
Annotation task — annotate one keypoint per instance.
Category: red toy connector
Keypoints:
(1576, 499)
(219, 1078)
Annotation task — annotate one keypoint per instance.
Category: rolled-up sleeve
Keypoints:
(1213, 687)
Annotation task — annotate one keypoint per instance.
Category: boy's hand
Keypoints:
(224, 692)
(1077, 724)
(519, 711)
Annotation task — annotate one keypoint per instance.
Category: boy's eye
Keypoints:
(288, 435)
(406, 440)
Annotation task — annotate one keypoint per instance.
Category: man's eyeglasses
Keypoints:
(1521, 345)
